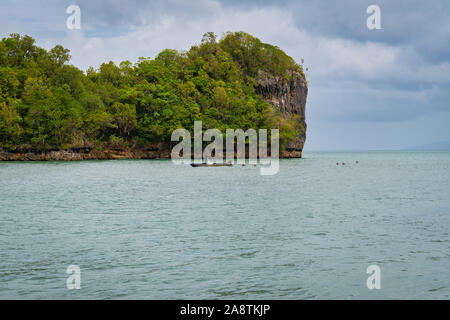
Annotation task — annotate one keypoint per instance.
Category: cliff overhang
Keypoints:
(287, 95)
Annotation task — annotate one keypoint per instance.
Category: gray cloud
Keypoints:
(397, 75)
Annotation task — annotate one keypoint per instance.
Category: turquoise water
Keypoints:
(148, 229)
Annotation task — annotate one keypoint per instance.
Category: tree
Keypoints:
(47, 103)
(124, 117)
(220, 98)
(59, 55)
(10, 129)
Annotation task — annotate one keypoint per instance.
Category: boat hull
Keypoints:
(195, 165)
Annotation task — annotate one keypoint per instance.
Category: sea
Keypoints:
(332, 225)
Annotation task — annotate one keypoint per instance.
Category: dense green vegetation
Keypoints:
(45, 103)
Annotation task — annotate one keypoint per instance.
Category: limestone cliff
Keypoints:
(288, 96)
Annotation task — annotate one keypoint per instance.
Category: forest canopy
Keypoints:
(46, 103)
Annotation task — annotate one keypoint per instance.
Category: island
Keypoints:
(51, 110)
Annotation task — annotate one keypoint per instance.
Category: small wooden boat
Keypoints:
(211, 164)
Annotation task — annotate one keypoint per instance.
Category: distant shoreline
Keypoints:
(369, 151)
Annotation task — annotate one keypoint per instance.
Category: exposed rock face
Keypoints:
(74, 155)
(290, 98)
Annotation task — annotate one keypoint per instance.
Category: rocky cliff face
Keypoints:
(288, 96)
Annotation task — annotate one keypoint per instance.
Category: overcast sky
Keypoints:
(368, 89)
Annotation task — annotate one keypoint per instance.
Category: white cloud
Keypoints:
(342, 70)
(326, 57)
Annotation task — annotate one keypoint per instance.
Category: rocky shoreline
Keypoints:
(70, 155)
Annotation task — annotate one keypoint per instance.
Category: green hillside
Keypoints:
(46, 103)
